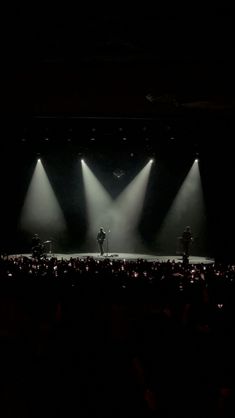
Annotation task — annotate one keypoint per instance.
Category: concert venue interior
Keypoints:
(126, 123)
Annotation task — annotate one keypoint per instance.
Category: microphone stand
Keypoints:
(108, 242)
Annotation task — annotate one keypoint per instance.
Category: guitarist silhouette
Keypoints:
(100, 238)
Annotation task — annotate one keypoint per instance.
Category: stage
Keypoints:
(126, 256)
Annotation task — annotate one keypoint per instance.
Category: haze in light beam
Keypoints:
(126, 212)
(41, 212)
(120, 217)
(98, 203)
(188, 208)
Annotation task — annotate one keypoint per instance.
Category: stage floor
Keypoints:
(127, 256)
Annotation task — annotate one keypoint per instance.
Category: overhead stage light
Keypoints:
(118, 173)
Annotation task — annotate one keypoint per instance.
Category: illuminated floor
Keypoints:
(128, 256)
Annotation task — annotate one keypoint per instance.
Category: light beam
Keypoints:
(188, 208)
(41, 212)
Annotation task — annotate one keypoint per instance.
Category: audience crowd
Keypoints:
(112, 337)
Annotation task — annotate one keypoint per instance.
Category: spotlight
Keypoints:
(151, 160)
(196, 160)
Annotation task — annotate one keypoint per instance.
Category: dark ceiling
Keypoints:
(168, 63)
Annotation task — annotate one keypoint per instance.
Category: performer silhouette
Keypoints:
(37, 246)
(187, 239)
(100, 238)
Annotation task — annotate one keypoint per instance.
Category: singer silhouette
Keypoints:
(101, 238)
